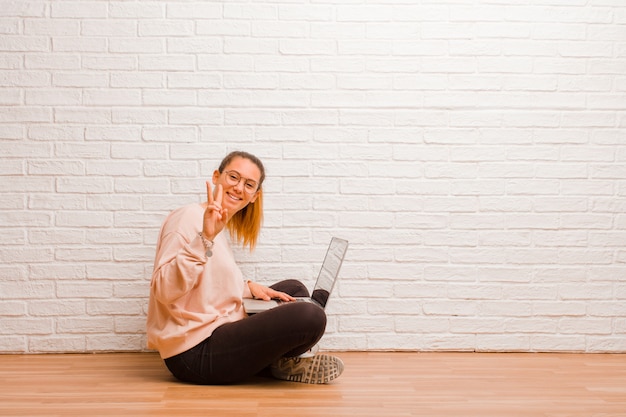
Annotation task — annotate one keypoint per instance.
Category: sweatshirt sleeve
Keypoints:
(178, 266)
(246, 290)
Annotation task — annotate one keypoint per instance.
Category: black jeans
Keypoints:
(239, 350)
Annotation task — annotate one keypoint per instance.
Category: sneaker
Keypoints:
(319, 369)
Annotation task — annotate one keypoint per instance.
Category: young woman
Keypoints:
(195, 318)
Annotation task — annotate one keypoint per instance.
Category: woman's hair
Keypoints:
(245, 225)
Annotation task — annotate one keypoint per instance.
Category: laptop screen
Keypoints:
(329, 270)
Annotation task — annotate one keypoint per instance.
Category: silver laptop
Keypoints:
(323, 286)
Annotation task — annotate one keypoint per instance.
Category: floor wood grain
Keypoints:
(373, 384)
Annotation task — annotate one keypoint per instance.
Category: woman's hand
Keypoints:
(264, 293)
(215, 217)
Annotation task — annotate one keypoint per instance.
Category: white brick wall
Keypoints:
(474, 153)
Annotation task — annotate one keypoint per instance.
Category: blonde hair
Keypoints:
(245, 225)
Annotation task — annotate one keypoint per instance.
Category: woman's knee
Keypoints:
(292, 287)
(312, 314)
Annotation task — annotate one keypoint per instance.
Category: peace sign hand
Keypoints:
(215, 216)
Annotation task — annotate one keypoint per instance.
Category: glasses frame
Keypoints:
(247, 182)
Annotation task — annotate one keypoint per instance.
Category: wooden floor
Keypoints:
(373, 384)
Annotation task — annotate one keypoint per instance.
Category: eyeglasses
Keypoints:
(234, 178)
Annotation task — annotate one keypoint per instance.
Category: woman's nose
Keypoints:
(239, 186)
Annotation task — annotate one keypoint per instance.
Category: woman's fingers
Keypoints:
(284, 297)
(265, 293)
(219, 195)
(215, 216)
(215, 201)
(209, 194)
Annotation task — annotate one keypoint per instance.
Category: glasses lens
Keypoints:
(249, 186)
(232, 178)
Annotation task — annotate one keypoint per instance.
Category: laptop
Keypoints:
(323, 286)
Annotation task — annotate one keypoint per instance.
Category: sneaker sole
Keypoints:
(319, 369)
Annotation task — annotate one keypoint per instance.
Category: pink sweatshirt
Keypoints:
(190, 294)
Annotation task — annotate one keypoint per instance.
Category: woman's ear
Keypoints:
(216, 176)
(255, 196)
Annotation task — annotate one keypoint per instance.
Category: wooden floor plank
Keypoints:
(373, 384)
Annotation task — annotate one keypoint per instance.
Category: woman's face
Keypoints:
(239, 182)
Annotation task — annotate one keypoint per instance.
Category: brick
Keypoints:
(173, 169)
(83, 219)
(56, 168)
(166, 63)
(605, 344)
(57, 271)
(196, 116)
(132, 343)
(114, 168)
(12, 168)
(83, 254)
(82, 115)
(169, 27)
(248, 118)
(113, 134)
(24, 44)
(169, 98)
(83, 185)
(493, 343)
(12, 202)
(108, 28)
(556, 343)
(12, 308)
(109, 63)
(131, 219)
(23, 9)
(79, 80)
(27, 326)
(17, 219)
(143, 10)
(363, 324)
(586, 49)
(134, 325)
(131, 290)
(139, 116)
(25, 115)
(56, 27)
(13, 344)
(229, 28)
(23, 79)
(12, 132)
(85, 325)
(445, 342)
(137, 45)
(30, 290)
(192, 80)
(60, 97)
(113, 307)
(71, 150)
(52, 61)
(110, 202)
(176, 134)
(57, 344)
(56, 236)
(133, 150)
(194, 10)
(83, 9)
(79, 44)
(56, 308)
